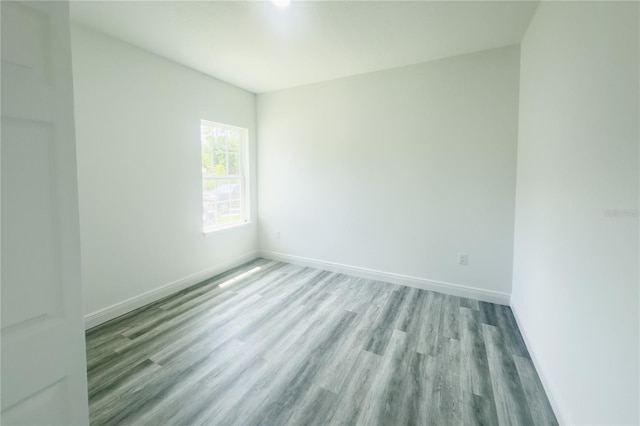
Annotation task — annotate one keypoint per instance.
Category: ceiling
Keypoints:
(261, 48)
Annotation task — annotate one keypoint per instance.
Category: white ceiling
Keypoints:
(256, 46)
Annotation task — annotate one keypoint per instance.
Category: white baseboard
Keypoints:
(103, 315)
(422, 283)
(545, 383)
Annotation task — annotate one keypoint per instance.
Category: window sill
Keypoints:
(208, 232)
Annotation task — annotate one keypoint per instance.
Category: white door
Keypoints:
(43, 354)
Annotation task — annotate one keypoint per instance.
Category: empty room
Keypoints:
(289, 212)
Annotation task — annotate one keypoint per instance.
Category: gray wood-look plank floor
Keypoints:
(284, 344)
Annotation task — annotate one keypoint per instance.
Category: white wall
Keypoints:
(575, 289)
(397, 171)
(138, 134)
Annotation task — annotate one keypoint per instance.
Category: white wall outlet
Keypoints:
(463, 259)
(277, 235)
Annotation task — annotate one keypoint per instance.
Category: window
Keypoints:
(224, 179)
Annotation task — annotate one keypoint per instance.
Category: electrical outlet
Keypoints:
(463, 259)
(278, 235)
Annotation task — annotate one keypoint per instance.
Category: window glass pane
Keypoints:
(234, 142)
(220, 168)
(207, 150)
(222, 201)
(220, 155)
(209, 204)
(233, 164)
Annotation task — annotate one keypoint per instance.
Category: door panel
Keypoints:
(31, 211)
(49, 406)
(43, 354)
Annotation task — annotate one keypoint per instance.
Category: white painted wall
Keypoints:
(396, 171)
(138, 135)
(575, 288)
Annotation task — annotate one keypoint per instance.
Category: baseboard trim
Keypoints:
(545, 383)
(110, 312)
(422, 283)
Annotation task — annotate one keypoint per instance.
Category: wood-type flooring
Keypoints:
(270, 343)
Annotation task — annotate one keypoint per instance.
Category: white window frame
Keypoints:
(243, 175)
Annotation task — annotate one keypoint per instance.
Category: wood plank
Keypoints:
(476, 377)
(357, 385)
(537, 401)
(446, 397)
(509, 396)
(383, 328)
(429, 325)
(383, 403)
